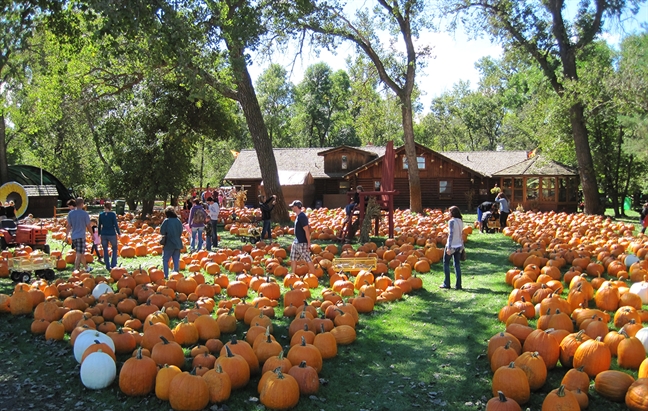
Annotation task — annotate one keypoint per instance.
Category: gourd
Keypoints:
(98, 371)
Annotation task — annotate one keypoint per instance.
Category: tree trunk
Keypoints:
(132, 205)
(147, 208)
(584, 158)
(416, 204)
(4, 166)
(262, 143)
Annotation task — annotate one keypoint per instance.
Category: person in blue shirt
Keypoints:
(171, 228)
(503, 208)
(78, 222)
(300, 250)
(108, 229)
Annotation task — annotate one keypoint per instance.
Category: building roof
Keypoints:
(246, 165)
(537, 166)
(486, 163)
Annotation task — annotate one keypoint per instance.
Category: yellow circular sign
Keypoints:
(15, 192)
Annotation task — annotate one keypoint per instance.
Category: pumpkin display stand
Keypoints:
(21, 267)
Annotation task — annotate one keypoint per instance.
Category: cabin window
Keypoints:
(562, 189)
(376, 185)
(572, 189)
(345, 163)
(507, 186)
(420, 161)
(548, 189)
(445, 187)
(518, 189)
(533, 184)
(344, 187)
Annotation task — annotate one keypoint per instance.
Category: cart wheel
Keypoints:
(21, 276)
(48, 274)
(3, 243)
(46, 248)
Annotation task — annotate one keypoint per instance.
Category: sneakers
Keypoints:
(445, 287)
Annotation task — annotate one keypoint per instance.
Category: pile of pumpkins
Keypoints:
(133, 312)
(575, 276)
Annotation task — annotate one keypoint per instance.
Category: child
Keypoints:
(208, 233)
(95, 240)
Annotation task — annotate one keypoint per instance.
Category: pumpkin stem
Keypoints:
(501, 396)
(561, 391)
(164, 340)
(302, 364)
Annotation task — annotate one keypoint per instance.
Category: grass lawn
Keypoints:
(425, 352)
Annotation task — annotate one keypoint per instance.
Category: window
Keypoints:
(572, 189)
(518, 190)
(376, 185)
(548, 188)
(344, 187)
(507, 186)
(532, 188)
(345, 163)
(445, 187)
(562, 189)
(420, 161)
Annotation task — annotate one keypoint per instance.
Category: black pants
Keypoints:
(503, 217)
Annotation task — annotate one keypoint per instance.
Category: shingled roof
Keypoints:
(537, 166)
(486, 163)
(246, 165)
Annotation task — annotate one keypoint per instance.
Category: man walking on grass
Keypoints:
(300, 250)
(78, 222)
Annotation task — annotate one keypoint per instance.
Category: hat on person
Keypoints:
(296, 203)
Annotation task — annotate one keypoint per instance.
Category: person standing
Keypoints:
(171, 228)
(197, 217)
(214, 211)
(300, 250)
(266, 215)
(644, 218)
(10, 210)
(78, 222)
(108, 231)
(453, 248)
(503, 208)
(95, 239)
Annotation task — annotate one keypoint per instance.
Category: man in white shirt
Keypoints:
(214, 210)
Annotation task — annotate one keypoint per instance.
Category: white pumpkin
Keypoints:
(641, 289)
(98, 370)
(642, 335)
(630, 259)
(86, 339)
(101, 288)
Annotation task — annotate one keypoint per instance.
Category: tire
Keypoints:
(46, 248)
(20, 276)
(48, 274)
(3, 243)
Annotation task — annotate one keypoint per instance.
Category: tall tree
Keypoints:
(541, 30)
(403, 21)
(322, 101)
(18, 20)
(375, 112)
(197, 37)
(276, 98)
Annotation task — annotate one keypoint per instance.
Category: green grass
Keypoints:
(424, 352)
